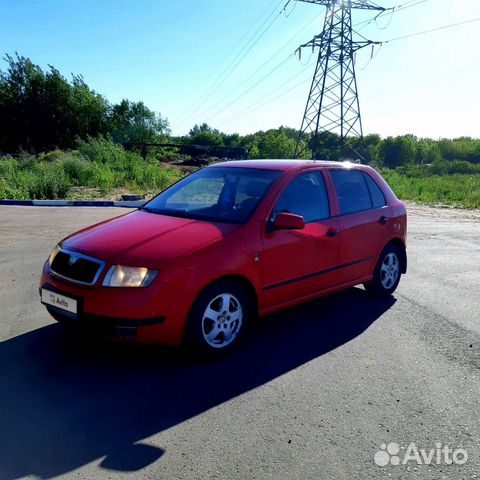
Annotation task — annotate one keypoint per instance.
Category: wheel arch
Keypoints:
(398, 242)
(240, 280)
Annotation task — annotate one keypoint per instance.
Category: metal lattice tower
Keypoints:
(333, 104)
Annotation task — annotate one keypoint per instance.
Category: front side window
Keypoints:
(224, 194)
(307, 196)
(352, 191)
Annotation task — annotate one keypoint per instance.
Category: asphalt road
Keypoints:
(312, 393)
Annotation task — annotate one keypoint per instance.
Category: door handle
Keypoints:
(332, 232)
(383, 220)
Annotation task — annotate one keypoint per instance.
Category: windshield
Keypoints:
(219, 194)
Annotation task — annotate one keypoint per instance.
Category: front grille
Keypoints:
(76, 267)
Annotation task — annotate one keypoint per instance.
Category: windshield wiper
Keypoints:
(174, 213)
(169, 213)
(148, 210)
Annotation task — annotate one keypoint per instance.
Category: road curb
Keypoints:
(72, 203)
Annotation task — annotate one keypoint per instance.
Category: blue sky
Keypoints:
(170, 53)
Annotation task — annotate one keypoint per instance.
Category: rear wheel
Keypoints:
(386, 276)
(218, 318)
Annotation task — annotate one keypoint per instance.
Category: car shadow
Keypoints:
(65, 403)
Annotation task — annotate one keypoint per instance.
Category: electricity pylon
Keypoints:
(333, 104)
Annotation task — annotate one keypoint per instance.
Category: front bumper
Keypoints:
(138, 315)
(113, 328)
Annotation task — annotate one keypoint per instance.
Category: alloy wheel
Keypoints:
(390, 270)
(222, 320)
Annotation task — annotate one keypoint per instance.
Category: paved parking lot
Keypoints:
(313, 393)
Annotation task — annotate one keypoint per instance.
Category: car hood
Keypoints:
(146, 239)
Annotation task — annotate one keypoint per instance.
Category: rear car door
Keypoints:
(296, 263)
(364, 215)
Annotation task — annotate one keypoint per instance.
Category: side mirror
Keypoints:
(289, 221)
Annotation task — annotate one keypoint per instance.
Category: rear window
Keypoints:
(378, 198)
(352, 191)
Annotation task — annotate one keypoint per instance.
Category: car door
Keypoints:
(363, 216)
(297, 263)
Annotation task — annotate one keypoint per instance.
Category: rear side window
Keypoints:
(352, 191)
(378, 198)
(307, 196)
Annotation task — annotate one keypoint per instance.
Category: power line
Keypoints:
(272, 92)
(264, 104)
(291, 11)
(249, 30)
(264, 64)
(425, 32)
(240, 55)
(389, 11)
(240, 42)
(372, 56)
(247, 49)
(254, 108)
(262, 79)
(267, 100)
(240, 60)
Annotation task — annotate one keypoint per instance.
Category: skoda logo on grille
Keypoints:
(73, 259)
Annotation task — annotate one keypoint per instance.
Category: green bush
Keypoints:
(51, 181)
(9, 191)
(98, 163)
(20, 179)
(101, 164)
(456, 166)
(83, 173)
(153, 177)
(51, 156)
(79, 170)
(455, 189)
(103, 151)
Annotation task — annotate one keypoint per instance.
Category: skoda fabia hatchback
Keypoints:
(228, 243)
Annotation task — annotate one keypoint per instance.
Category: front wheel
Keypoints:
(387, 273)
(218, 318)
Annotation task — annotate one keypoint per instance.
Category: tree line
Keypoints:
(41, 110)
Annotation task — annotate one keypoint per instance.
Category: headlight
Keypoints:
(53, 254)
(120, 276)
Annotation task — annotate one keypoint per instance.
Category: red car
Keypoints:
(225, 244)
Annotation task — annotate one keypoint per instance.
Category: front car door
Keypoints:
(299, 263)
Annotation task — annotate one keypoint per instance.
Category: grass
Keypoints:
(102, 169)
(98, 164)
(459, 190)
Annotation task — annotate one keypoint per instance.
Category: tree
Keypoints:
(42, 110)
(134, 122)
(463, 148)
(326, 146)
(205, 135)
(397, 151)
(428, 152)
(276, 144)
(372, 144)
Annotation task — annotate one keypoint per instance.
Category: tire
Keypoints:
(387, 273)
(218, 318)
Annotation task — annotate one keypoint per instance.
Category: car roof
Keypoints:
(287, 164)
